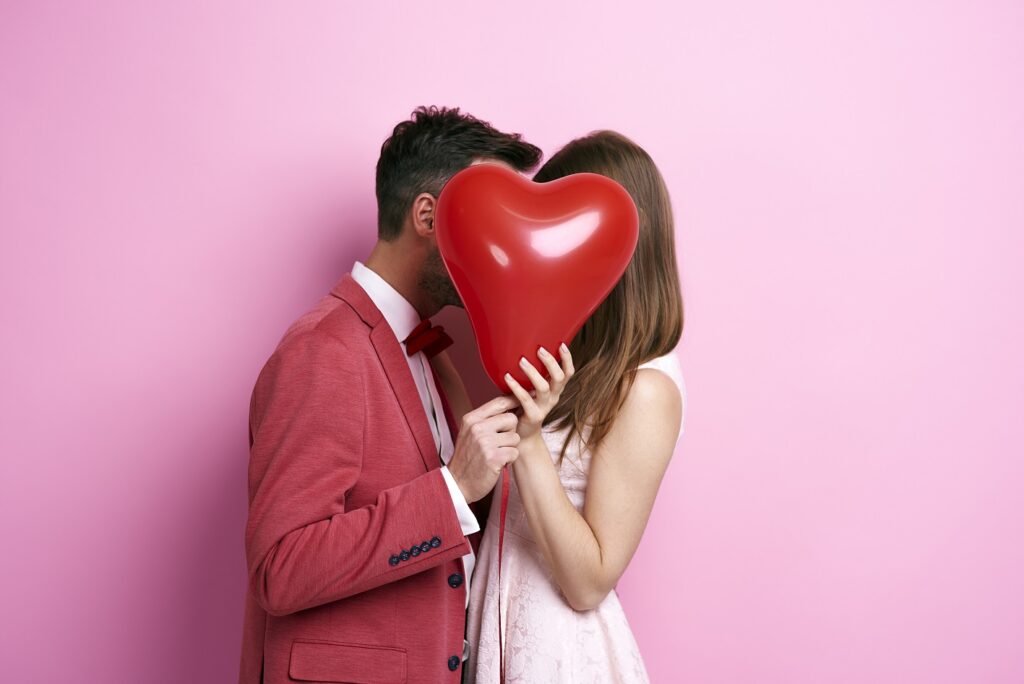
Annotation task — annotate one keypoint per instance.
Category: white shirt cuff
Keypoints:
(466, 518)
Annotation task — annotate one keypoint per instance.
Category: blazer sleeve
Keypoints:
(304, 545)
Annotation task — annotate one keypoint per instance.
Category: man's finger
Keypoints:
(493, 407)
(506, 438)
(503, 422)
(508, 454)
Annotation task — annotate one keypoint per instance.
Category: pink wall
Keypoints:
(179, 180)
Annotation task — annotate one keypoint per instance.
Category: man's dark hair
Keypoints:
(431, 147)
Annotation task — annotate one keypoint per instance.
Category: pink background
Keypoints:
(180, 180)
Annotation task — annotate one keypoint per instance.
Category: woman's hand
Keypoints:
(538, 403)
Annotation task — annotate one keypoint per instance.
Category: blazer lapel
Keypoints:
(480, 508)
(395, 365)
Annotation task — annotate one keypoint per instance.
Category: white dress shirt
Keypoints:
(403, 317)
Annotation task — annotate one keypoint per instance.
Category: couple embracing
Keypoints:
(372, 534)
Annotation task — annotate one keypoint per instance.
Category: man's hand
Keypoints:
(486, 443)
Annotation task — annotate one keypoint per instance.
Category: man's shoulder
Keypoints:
(329, 320)
(326, 347)
(329, 337)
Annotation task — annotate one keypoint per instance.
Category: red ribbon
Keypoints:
(505, 473)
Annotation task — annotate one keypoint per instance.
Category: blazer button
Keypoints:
(455, 580)
(415, 550)
(435, 542)
(453, 663)
(425, 546)
(394, 560)
(404, 555)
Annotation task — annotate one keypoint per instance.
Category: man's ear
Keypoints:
(423, 214)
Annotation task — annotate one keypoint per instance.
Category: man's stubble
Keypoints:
(435, 281)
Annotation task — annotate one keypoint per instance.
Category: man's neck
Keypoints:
(386, 260)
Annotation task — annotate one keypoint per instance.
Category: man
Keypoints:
(364, 491)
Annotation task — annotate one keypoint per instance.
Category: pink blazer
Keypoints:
(352, 541)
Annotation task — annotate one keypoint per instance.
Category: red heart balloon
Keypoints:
(531, 261)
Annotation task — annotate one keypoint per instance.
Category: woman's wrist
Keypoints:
(530, 440)
(532, 447)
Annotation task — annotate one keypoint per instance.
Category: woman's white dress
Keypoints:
(546, 641)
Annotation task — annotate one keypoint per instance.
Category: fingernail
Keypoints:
(522, 360)
(544, 352)
(563, 347)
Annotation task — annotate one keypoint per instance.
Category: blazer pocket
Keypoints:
(314, 660)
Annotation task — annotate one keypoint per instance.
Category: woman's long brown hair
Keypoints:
(642, 317)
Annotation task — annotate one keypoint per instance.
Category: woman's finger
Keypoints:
(521, 394)
(539, 383)
(554, 370)
(566, 360)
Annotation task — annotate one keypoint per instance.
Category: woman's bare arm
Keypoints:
(588, 553)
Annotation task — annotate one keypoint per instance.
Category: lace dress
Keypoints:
(546, 641)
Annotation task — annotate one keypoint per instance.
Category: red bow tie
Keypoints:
(429, 339)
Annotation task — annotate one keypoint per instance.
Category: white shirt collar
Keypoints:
(396, 309)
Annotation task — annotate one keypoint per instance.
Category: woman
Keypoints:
(594, 445)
